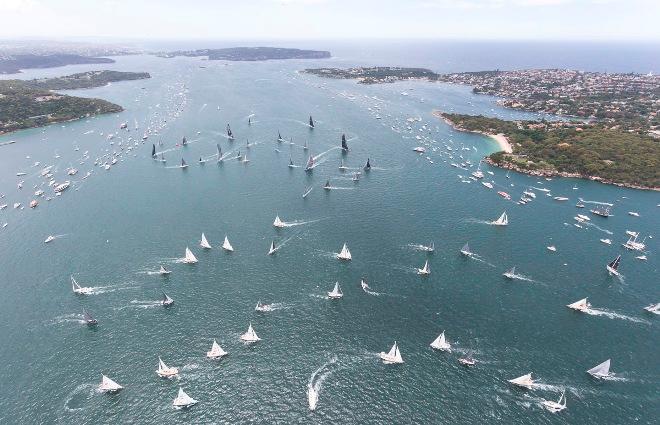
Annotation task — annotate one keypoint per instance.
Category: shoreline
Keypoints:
(506, 147)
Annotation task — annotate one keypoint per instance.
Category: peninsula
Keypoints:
(376, 74)
(592, 151)
(250, 53)
(31, 103)
(12, 64)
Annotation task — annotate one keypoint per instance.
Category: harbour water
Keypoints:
(116, 226)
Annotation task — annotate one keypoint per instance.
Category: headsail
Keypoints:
(204, 243)
(344, 254)
(600, 371)
(190, 257)
(226, 245)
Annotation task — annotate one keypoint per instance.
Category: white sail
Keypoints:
(424, 270)
(581, 305)
(511, 273)
(272, 248)
(524, 381)
(250, 335)
(216, 351)
(393, 356)
(466, 250)
(336, 292)
(108, 384)
(278, 222)
(502, 221)
(204, 243)
(165, 371)
(556, 406)
(167, 300)
(226, 245)
(312, 397)
(183, 400)
(600, 371)
(440, 343)
(163, 270)
(345, 254)
(190, 257)
(79, 289)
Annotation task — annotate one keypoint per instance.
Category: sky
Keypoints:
(636, 20)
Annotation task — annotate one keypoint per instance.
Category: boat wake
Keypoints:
(588, 223)
(368, 290)
(418, 247)
(79, 398)
(521, 277)
(317, 157)
(337, 188)
(68, 318)
(321, 374)
(477, 257)
(299, 222)
(142, 304)
(614, 315)
(595, 202)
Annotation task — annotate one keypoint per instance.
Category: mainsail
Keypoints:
(272, 249)
(250, 335)
(190, 257)
(613, 265)
(345, 254)
(183, 400)
(367, 166)
(393, 356)
(440, 343)
(425, 269)
(600, 371)
(226, 245)
(278, 222)
(336, 292)
(167, 300)
(524, 381)
(108, 384)
(310, 163)
(216, 351)
(204, 243)
(153, 150)
(466, 250)
(502, 221)
(581, 305)
(312, 397)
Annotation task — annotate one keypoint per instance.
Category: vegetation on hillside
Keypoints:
(85, 80)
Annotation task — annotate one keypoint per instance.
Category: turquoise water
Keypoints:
(117, 225)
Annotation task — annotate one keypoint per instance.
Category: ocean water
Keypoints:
(116, 226)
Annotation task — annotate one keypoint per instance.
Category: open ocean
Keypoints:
(116, 226)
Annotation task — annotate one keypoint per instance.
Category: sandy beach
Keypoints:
(501, 139)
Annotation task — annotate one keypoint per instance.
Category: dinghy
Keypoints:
(216, 351)
(226, 245)
(600, 371)
(190, 257)
(165, 371)
(336, 293)
(613, 266)
(250, 336)
(440, 343)
(393, 356)
(581, 305)
(77, 289)
(167, 301)
(424, 270)
(108, 385)
(524, 381)
(183, 400)
(312, 397)
(466, 250)
(272, 248)
(204, 243)
(510, 274)
(278, 223)
(556, 406)
(89, 319)
(502, 221)
(345, 254)
(163, 271)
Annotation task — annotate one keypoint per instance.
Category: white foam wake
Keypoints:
(613, 315)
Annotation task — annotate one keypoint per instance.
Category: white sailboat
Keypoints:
(581, 305)
(430, 247)
(426, 270)
(600, 371)
(336, 292)
(216, 351)
(77, 289)
(312, 397)
(163, 271)
(278, 223)
(653, 308)
(167, 301)
(466, 250)
(511, 273)
(262, 307)
(272, 248)
(613, 266)
(226, 245)
(108, 385)
(190, 257)
(556, 406)
(204, 243)
(441, 343)
(165, 371)
(50, 238)
(502, 221)
(250, 336)
(345, 254)
(524, 381)
(393, 356)
(183, 400)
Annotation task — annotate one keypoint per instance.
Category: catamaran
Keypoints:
(204, 243)
(216, 351)
(89, 319)
(466, 250)
(311, 122)
(310, 164)
(524, 381)
(272, 248)
(164, 271)
(312, 397)
(613, 266)
(511, 273)
(393, 356)
(581, 305)
(556, 406)
(167, 301)
(441, 343)
(108, 385)
(336, 292)
(165, 371)
(77, 289)
(190, 257)
(344, 145)
(226, 245)
(250, 336)
(502, 221)
(600, 371)
(426, 270)
(278, 223)
(344, 254)
(183, 400)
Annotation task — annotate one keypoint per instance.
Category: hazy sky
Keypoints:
(316, 19)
